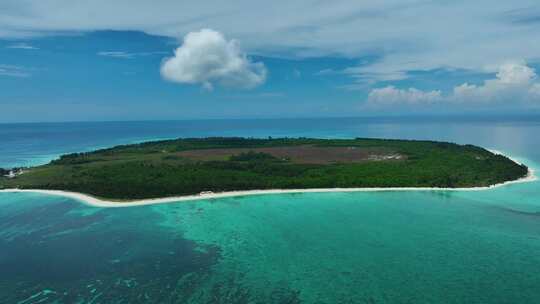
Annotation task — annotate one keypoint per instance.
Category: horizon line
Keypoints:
(387, 116)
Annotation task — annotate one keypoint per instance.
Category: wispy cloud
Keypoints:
(129, 55)
(116, 54)
(22, 46)
(366, 75)
(14, 71)
(325, 72)
(523, 16)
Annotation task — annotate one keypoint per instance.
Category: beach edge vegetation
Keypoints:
(189, 166)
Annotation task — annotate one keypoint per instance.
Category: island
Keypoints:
(199, 166)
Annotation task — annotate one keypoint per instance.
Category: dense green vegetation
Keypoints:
(155, 169)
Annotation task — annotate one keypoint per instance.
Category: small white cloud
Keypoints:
(390, 95)
(14, 71)
(207, 58)
(325, 72)
(23, 46)
(515, 73)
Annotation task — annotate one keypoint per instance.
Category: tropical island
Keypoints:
(195, 166)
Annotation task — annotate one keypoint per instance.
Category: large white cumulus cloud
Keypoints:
(513, 83)
(207, 58)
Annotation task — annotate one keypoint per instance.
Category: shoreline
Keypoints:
(96, 202)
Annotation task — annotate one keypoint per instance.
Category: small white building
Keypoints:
(13, 173)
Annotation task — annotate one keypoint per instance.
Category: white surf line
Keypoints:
(531, 175)
(96, 202)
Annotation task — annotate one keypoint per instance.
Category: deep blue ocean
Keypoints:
(37, 143)
(387, 247)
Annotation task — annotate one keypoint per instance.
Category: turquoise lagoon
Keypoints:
(369, 247)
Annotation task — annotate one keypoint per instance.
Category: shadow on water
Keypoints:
(530, 214)
(56, 253)
(100, 255)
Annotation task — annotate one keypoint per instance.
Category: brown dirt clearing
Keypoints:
(301, 154)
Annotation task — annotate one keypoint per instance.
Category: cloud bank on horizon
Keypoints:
(514, 83)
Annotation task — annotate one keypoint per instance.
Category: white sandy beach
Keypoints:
(96, 202)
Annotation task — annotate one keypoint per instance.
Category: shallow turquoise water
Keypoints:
(391, 247)
(414, 247)
(384, 247)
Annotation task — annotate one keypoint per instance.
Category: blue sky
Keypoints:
(128, 60)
